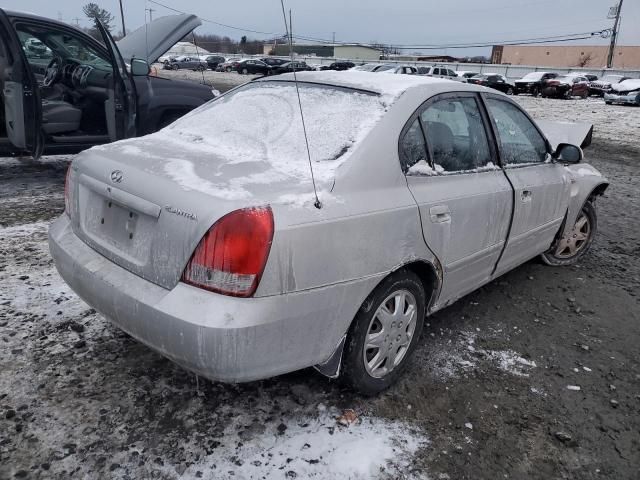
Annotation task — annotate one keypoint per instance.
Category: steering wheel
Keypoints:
(53, 72)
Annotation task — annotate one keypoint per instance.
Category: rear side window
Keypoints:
(520, 141)
(456, 136)
(413, 150)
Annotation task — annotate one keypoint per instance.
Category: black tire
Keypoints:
(535, 91)
(510, 91)
(228, 69)
(554, 258)
(201, 68)
(245, 71)
(176, 67)
(354, 373)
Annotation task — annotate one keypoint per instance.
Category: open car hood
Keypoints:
(567, 132)
(154, 39)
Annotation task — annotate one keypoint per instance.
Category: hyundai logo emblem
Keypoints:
(116, 176)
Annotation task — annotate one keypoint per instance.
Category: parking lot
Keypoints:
(535, 375)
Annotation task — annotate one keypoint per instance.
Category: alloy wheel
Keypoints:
(576, 239)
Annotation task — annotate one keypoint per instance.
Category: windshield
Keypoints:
(385, 67)
(45, 43)
(261, 122)
(533, 76)
(369, 67)
(612, 78)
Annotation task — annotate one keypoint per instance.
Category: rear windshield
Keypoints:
(261, 122)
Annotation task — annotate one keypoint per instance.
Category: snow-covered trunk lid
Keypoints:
(145, 223)
(145, 203)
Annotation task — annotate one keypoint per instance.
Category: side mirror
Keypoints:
(567, 153)
(139, 68)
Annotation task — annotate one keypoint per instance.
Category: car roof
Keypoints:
(382, 84)
(33, 16)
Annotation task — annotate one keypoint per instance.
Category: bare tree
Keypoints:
(585, 59)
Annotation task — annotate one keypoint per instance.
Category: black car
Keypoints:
(492, 80)
(214, 60)
(291, 66)
(274, 62)
(341, 66)
(533, 82)
(252, 66)
(82, 92)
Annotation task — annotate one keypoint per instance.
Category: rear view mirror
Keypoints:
(139, 68)
(567, 153)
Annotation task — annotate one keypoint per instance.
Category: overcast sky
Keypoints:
(385, 21)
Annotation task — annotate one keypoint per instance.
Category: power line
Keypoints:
(527, 41)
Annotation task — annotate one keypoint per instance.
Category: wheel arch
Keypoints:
(430, 276)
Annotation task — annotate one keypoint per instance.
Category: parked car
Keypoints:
(466, 74)
(372, 67)
(229, 65)
(590, 76)
(213, 61)
(341, 65)
(439, 72)
(422, 199)
(290, 67)
(493, 80)
(87, 92)
(626, 92)
(274, 62)
(251, 66)
(602, 86)
(566, 86)
(533, 82)
(188, 63)
(399, 69)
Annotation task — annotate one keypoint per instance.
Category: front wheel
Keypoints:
(245, 71)
(576, 242)
(384, 333)
(535, 91)
(510, 91)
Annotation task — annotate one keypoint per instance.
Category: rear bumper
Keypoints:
(219, 337)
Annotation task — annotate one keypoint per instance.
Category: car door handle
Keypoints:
(525, 196)
(440, 214)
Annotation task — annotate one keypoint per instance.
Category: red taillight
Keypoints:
(232, 255)
(67, 201)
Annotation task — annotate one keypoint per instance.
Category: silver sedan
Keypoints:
(211, 242)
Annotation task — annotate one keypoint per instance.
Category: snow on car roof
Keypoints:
(386, 85)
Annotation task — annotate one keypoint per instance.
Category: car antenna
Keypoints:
(289, 32)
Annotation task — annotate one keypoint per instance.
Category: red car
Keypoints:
(566, 87)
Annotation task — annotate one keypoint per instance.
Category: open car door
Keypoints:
(21, 106)
(121, 105)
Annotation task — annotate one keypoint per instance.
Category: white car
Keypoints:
(439, 72)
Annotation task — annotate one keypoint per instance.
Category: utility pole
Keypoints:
(334, 38)
(150, 10)
(77, 20)
(124, 30)
(614, 36)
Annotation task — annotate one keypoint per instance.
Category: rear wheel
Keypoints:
(228, 69)
(245, 71)
(535, 91)
(384, 333)
(510, 91)
(576, 242)
(201, 68)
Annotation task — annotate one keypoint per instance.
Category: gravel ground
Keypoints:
(535, 375)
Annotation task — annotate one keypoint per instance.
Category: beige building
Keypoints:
(566, 55)
(356, 52)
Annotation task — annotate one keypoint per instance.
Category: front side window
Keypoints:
(520, 142)
(456, 136)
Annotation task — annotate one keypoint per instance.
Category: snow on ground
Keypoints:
(460, 355)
